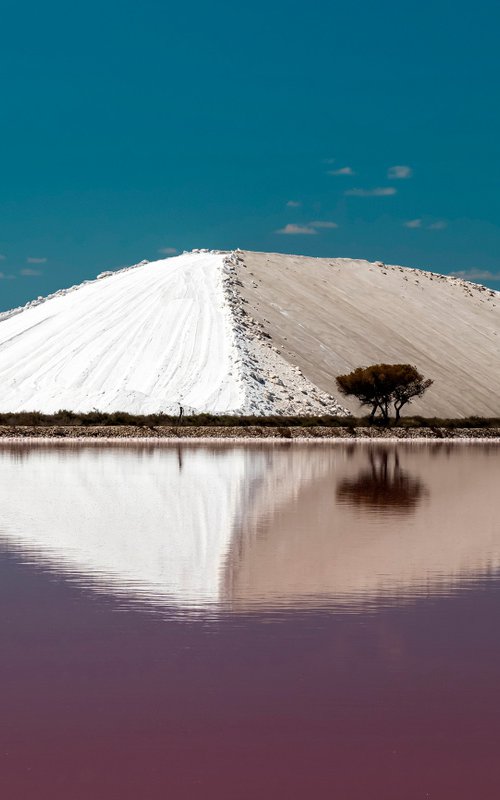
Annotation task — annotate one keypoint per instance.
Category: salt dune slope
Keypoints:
(328, 316)
(140, 340)
(148, 339)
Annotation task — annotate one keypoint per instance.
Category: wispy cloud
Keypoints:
(2, 257)
(329, 161)
(399, 172)
(341, 171)
(476, 275)
(413, 223)
(438, 226)
(297, 230)
(168, 251)
(323, 223)
(32, 260)
(30, 273)
(418, 223)
(294, 204)
(310, 229)
(379, 191)
(4, 277)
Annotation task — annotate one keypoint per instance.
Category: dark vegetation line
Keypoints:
(70, 418)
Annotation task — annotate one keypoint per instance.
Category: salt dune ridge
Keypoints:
(244, 332)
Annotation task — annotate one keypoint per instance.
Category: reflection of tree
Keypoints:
(384, 487)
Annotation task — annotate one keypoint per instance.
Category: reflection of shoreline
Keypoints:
(384, 487)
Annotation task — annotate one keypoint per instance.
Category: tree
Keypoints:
(383, 385)
(414, 385)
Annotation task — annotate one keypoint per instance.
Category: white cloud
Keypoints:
(4, 277)
(36, 260)
(30, 273)
(296, 230)
(341, 171)
(476, 275)
(2, 257)
(294, 204)
(168, 251)
(323, 224)
(399, 171)
(418, 223)
(379, 191)
(437, 226)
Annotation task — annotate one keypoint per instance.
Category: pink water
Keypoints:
(340, 640)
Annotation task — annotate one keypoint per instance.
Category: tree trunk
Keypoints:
(385, 410)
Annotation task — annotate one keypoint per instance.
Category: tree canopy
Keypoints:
(381, 386)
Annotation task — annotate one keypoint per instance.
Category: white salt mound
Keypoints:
(255, 333)
(144, 340)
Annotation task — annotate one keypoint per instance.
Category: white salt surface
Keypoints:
(141, 340)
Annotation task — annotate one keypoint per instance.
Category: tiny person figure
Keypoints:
(181, 414)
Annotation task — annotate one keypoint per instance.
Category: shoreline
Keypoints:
(233, 434)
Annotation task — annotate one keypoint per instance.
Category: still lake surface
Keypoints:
(232, 622)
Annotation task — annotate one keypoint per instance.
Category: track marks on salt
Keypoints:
(141, 340)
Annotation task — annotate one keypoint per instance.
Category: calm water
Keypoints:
(240, 622)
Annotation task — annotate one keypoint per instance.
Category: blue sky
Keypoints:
(132, 127)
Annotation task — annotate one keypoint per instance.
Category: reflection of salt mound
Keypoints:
(359, 549)
(246, 526)
(157, 522)
(274, 478)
